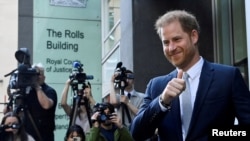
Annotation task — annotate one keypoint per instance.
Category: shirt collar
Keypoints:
(131, 92)
(195, 70)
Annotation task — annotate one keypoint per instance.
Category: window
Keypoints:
(230, 34)
(111, 25)
(110, 41)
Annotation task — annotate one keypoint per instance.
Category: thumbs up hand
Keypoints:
(173, 88)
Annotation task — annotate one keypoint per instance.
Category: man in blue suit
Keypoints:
(218, 92)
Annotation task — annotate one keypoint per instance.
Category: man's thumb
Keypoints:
(180, 73)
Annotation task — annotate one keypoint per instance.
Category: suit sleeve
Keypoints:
(241, 98)
(149, 116)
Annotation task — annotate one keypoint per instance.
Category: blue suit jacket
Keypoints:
(222, 95)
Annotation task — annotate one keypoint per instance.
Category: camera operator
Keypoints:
(107, 125)
(41, 103)
(131, 98)
(81, 116)
(12, 129)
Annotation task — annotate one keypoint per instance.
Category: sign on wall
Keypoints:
(61, 36)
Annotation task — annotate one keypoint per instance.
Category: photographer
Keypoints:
(41, 103)
(12, 129)
(81, 116)
(107, 126)
(131, 98)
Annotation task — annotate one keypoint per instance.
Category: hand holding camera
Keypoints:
(120, 76)
(124, 99)
(103, 112)
(114, 118)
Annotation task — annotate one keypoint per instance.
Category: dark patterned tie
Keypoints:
(129, 95)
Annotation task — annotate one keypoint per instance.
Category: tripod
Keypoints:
(122, 85)
(78, 96)
(19, 107)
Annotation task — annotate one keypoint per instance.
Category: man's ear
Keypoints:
(194, 36)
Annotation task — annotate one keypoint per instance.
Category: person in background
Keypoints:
(75, 133)
(41, 106)
(107, 125)
(217, 93)
(87, 103)
(13, 129)
(131, 98)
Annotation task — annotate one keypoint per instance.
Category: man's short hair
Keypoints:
(128, 71)
(130, 74)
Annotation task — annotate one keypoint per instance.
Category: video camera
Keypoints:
(77, 75)
(100, 107)
(24, 75)
(120, 79)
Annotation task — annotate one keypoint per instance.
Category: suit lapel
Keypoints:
(202, 91)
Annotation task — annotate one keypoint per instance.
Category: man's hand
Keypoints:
(94, 119)
(173, 88)
(116, 120)
(124, 99)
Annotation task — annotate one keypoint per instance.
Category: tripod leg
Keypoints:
(34, 126)
(123, 114)
(125, 109)
(74, 110)
(87, 107)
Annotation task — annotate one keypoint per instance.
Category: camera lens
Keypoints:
(103, 117)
